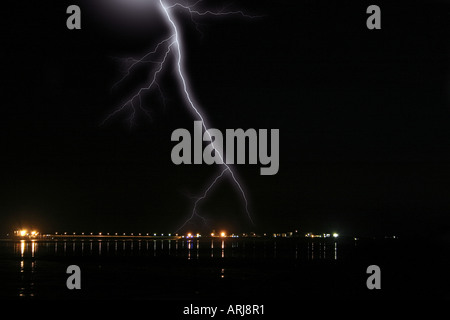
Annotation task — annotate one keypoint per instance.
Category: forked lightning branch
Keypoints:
(169, 54)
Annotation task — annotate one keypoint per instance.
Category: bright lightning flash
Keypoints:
(158, 57)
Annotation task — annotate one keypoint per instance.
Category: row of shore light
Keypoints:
(26, 233)
(188, 235)
(325, 235)
(222, 234)
(117, 234)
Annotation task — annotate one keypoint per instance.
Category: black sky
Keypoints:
(363, 116)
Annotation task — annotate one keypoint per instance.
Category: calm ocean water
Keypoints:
(211, 269)
(182, 248)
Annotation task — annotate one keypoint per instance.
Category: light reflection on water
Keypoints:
(26, 250)
(28, 253)
(188, 248)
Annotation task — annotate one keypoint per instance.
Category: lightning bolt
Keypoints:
(194, 210)
(158, 59)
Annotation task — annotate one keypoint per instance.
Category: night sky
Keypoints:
(364, 120)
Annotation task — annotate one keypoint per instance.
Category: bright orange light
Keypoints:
(23, 233)
(189, 235)
(223, 234)
(212, 234)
